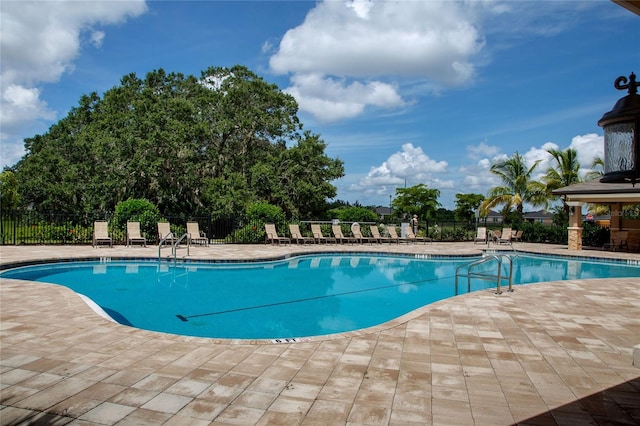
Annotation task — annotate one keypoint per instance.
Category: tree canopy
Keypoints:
(418, 200)
(466, 205)
(208, 145)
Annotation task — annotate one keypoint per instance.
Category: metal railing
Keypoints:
(176, 246)
(497, 277)
(162, 242)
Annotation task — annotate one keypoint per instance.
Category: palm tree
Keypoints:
(597, 169)
(518, 186)
(566, 172)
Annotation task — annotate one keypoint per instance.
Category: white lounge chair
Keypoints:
(164, 233)
(133, 234)
(101, 233)
(195, 235)
(339, 235)
(271, 235)
(318, 236)
(481, 235)
(357, 234)
(296, 235)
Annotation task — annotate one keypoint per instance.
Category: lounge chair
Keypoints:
(375, 232)
(296, 235)
(316, 230)
(505, 236)
(517, 235)
(195, 236)
(412, 237)
(271, 235)
(340, 237)
(101, 233)
(133, 234)
(394, 235)
(357, 234)
(481, 235)
(494, 236)
(618, 241)
(164, 233)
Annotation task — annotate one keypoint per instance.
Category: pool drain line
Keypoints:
(286, 302)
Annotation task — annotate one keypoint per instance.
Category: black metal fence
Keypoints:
(53, 228)
(31, 227)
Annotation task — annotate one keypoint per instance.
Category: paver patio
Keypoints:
(549, 353)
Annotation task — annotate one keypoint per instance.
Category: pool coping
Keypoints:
(484, 252)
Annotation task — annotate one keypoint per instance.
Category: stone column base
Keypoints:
(575, 237)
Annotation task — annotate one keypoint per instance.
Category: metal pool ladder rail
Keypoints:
(497, 278)
(174, 246)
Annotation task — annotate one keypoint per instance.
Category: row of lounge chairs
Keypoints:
(338, 236)
(101, 234)
(506, 236)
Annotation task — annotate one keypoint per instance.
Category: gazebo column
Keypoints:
(575, 225)
(616, 217)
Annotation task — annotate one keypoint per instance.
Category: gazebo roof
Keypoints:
(594, 191)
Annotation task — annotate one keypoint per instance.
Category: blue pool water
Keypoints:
(293, 298)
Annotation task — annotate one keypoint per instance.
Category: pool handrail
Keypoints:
(485, 276)
(162, 241)
(174, 252)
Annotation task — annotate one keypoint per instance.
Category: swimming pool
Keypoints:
(302, 296)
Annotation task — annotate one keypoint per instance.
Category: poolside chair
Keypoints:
(505, 236)
(316, 230)
(494, 235)
(296, 235)
(339, 235)
(394, 235)
(375, 232)
(412, 237)
(133, 234)
(357, 234)
(271, 235)
(164, 233)
(481, 235)
(618, 241)
(195, 236)
(101, 233)
(517, 235)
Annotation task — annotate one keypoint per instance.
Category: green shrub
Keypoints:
(353, 214)
(594, 236)
(136, 210)
(542, 233)
(251, 229)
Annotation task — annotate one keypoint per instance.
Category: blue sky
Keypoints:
(403, 92)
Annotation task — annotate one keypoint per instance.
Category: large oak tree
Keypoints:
(206, 145)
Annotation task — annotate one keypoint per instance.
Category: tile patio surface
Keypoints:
(549, 353)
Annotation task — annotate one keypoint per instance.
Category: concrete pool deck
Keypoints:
(548, 353)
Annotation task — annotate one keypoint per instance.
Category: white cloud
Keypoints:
(435, 41)
(23, 104)
(97, 37)
(330, 99)
(39, 40)
(540, 154)
(589, 146)
(411, 165)
(482, 150)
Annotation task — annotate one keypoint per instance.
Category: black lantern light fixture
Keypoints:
(621, 126)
